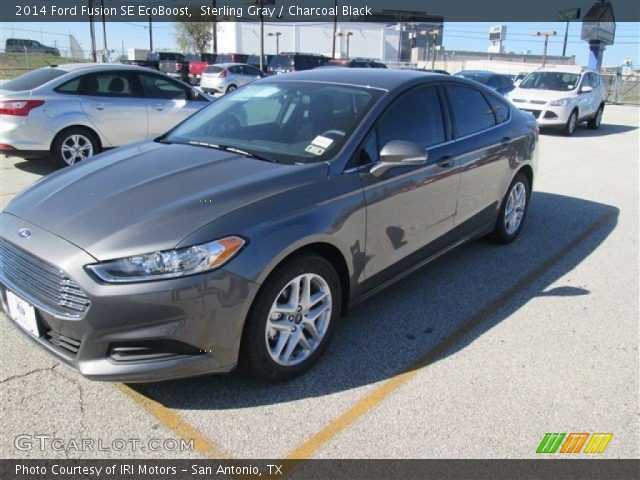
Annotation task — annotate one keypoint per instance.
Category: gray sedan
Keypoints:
(74, 111)
(245, 233)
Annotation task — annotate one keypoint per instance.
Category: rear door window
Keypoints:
(33, 79)
(470, 110)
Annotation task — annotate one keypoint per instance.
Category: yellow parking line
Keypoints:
(368, 402)
(176, 424)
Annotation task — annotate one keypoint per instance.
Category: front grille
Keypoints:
(44, 282)
(68, 344)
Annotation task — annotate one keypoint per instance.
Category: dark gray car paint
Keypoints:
(152, 196)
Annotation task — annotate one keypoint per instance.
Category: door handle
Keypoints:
(159, 106)
(446, 161)
(98, 106)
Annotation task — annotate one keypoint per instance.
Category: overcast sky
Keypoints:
(457, 36)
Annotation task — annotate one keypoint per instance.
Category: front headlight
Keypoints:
(168, 263)
(560, 103)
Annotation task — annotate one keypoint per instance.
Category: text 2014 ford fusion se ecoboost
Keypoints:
(243, 234)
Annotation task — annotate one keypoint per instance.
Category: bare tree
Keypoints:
(194, 36)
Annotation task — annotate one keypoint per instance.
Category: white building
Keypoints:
(371, 40)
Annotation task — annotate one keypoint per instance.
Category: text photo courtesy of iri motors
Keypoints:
(319, 239)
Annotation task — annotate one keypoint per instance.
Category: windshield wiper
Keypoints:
(227, 148)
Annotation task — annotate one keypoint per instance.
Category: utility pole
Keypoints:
(546, 34)
(214, 31)
(434, 36)
(335, 28)
(564, 45)
(92, 33)
(150, 35)
(104, 34)
(568, 15)
(277, 35)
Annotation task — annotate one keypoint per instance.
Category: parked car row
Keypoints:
(560, 97)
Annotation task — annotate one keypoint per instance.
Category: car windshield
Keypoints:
(284, 122)
(560, 81)
(477, 77)
(33, 79)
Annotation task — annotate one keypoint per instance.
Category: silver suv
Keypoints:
(562, 97)
(74, 111)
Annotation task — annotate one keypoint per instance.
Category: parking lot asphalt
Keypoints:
(477, 355)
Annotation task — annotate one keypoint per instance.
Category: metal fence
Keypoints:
(622, 88)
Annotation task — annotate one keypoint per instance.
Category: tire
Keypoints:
(231, 88)
(594, 123)
(505, 233)
(571, 124)
(85, 139)
(262, 343)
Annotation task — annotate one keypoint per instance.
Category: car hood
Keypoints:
(149, 196)
(538, 94)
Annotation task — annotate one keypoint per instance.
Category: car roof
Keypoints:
(230, 64)
(386, 79)
(479, 72)
(73, 67)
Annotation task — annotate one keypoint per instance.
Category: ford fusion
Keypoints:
(242, 236)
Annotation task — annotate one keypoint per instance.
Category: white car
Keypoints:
(226, 77)
(562, 97)
(74, 111)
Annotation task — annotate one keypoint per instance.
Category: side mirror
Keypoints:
(399, 153)
(586, 89)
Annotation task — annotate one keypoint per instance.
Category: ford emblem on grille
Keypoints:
(24, 232)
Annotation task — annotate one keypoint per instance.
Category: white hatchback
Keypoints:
(562, 97)
(226, 77)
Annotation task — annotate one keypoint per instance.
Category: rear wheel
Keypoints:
(513, 210)
(74, 145)
(594, 123)
(231, 88)
(292, 319)
(570, 126)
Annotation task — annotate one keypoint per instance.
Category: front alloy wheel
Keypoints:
(298, 320)
(570, 127)
(292, 319)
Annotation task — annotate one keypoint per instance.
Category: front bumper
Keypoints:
(195, 323)
(548, 115)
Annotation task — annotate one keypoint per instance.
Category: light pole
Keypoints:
(92, 32)
(335, 28)
(434, 35)
(104, 34)
(277, 35)
(345, 34)
(150, 35)
(546, 34)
